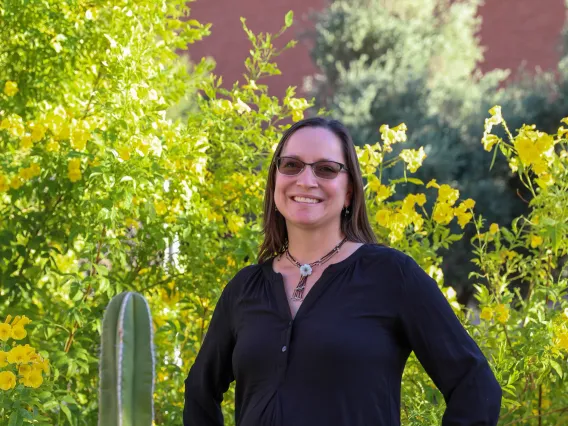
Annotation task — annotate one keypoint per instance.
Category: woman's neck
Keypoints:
(307, 247)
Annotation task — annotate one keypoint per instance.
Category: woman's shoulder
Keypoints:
(380, 254)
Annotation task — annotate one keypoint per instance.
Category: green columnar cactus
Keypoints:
(127, 363)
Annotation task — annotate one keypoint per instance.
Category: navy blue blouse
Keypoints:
(340, 361)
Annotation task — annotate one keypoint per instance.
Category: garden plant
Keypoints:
(104, 190)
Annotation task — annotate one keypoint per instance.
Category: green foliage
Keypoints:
(127, 363)
(101, 192)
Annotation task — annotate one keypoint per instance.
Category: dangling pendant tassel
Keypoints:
(299, 290)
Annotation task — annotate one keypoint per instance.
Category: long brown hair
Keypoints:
(354, 225)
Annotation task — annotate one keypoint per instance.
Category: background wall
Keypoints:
(513, 31)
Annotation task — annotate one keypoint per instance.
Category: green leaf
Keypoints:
(289, 19)
(15, 419)
(67, 412)
(557, 368)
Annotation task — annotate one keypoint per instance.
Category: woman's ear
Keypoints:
(349, 194)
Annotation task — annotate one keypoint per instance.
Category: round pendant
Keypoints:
(305, 270)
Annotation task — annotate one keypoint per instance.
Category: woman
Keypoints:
(318, 332)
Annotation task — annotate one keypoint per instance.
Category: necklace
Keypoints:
(306, 270)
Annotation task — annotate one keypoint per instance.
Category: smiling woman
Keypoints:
(319, 331)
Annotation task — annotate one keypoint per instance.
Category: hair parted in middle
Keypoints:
(354, 225)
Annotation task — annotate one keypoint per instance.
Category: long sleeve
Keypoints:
(211, 374)
(447, 352)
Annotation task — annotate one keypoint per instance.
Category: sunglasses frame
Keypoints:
(341, 167)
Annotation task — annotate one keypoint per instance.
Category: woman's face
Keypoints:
(325, 197)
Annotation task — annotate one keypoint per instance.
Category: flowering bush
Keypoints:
(21, 367)
(521, 278)
(102, 191)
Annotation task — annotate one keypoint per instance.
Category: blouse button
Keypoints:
(284, 348)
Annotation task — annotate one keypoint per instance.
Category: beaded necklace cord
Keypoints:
(306, 270)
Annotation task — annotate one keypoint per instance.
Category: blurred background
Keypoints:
(436, 65)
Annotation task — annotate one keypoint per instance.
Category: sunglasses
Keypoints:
(291, 166)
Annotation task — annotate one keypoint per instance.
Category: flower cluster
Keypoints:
(444, 210)
(74, 169)
(10, 88)
(500, 311)
(21, 363)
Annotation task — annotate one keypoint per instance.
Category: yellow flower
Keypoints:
(493, 229)
(33, 379)
(413, 158)
(432, 183)
(35, 169)
(489, 141)
(160, 207)
(383, 192)
(297, 103)
(24, 369)
(74, 164)
(3, 359)
(536, 240)
(74, 169)
(20, 320)
(496, 115)
(18, 332)
(74, 175)
(418, 221)
(469, 203)
(392, 136)
(486, 314)
(38, 131)
(4, 185)
(562, 340)
(5, 331)
(52, 146)
(463, 219)
(420, 199)
(123, 153)
(443, 213)
(16, 182)
(11, 88)
(80, 135)
(43, 364)
(545, 180)
(7, 380)
(502, 313)
(19, 354)
(26, 142)
(14, 124)
(447, 194)
(25, 174)
(383, 217)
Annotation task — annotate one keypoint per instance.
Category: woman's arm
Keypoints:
(447, 352)
(211, 374)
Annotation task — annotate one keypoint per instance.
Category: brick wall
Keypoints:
(513, 32)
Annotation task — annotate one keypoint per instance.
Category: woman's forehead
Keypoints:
(313, 144)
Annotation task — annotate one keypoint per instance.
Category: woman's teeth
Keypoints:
(306, 200)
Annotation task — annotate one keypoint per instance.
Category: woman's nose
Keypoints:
(306, 177)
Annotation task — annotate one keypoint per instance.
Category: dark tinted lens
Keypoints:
(326, 169)
(290, 166)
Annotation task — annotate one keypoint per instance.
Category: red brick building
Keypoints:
(513, 32)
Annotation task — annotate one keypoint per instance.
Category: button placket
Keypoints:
(284, 351)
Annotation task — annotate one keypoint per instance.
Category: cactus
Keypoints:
(127, 363)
